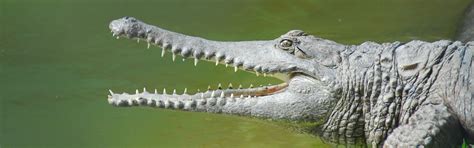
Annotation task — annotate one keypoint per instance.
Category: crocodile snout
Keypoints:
(128, 26)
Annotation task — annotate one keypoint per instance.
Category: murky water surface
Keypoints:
(58, 58)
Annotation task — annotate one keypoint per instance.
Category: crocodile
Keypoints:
(394, 94)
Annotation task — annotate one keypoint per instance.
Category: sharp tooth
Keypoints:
(138, 40)
(230, 86)
(196, 62)
(226, 65)
(184, 59)
(148, 46)
(235, 69)
(156, 91)
(219, 86)
(202, 95)
(136, 92)
(163, 52)
(251, 86)
(113, 34)
(217, 61)
(248, 97)
(222, 94)
(111, 93)
(174, 91)
(241, 96)
(198, 90)
(164, 91)
(118, 37)
(144, 89)
(174, 57)
(240, 86)
(208, 87)
(264, 75)
(212, 94)
(232, 95)
(185, 90)
(256, 72)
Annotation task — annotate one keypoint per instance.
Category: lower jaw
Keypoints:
(145, 97)
(223, 93)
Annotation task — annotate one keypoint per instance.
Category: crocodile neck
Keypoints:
(381, 86)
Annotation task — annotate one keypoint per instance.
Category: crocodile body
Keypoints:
(392, 94)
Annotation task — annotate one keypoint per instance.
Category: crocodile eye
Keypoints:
(286, 43)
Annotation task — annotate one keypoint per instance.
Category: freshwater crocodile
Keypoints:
(391, 94)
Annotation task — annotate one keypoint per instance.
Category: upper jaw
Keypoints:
(260, 57)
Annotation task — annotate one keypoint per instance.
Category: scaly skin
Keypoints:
(391, 94)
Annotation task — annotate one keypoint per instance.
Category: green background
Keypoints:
(58, 59)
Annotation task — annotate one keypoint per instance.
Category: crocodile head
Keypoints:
(306, 64)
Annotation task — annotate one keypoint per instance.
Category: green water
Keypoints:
(58, 58)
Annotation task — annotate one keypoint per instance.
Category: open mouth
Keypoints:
(210, 97)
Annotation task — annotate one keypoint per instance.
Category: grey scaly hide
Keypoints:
(392, 94)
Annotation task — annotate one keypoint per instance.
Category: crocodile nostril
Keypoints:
(131, 19)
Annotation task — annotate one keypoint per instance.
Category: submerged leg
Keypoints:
(430, 126)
